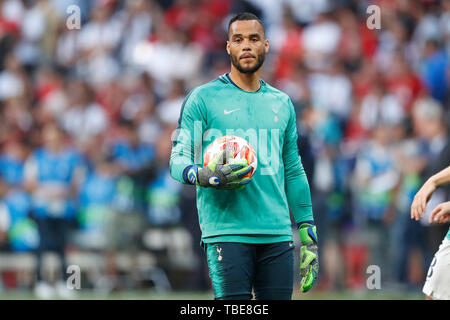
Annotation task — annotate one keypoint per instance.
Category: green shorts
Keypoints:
(237, 270)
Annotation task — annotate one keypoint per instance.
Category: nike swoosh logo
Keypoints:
(230, 111)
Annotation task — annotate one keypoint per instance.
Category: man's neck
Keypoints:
(246, 81)
(55, 149)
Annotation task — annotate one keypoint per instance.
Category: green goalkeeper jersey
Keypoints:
(260, 212)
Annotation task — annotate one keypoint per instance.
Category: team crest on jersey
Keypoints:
(219, 252)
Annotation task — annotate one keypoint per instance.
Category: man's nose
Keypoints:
(246, 45)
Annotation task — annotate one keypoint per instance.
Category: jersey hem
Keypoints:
(247, 238)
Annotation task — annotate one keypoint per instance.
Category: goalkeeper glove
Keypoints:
(309, 257)
(220, 173)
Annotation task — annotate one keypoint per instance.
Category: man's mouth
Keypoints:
(247, 56)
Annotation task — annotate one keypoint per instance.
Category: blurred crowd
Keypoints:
(86, 117)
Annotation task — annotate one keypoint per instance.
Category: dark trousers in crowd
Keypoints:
(413, 237)
(377, 235)
(53, 233)
(435, 234)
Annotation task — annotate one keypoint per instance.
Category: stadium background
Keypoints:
(372, 109)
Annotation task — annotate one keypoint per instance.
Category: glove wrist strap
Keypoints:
(307, 233)
(190, 174)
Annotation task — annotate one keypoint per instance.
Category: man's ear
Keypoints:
(228, 47)
(266, 46)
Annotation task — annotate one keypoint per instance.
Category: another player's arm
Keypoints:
(441, 214)
(421, 198)
(186, 151)
(299, 200)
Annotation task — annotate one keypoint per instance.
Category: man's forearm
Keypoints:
(181, 159)
(299, 197)
(440, 178)
(178, 171)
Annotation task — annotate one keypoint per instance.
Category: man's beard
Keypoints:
(247, 70)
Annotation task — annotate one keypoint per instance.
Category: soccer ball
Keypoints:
(239, 146)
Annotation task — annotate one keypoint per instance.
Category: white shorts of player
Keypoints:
(437, 284)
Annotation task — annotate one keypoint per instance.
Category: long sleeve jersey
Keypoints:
(260, 212)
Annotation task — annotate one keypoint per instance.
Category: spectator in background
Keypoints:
(16, 112)
(380, 105)
(137, 18)
(331, 91)
(328, 189)
(96, 203)
(163, 193)
(12, 78)
(408, 237)
(435, 71)
(9, 32)
(169, 109)
(172, 56)
(50, 93)
(401, 82)
(96, 43)
(128, 151)
(375, 180)
(430, 125)
(320, 39)
(445, 25)
(84, 119)
(287, 39)
(22, 231)
(330, 186)
(53, 174)
(97, 220)
(308, 11)
(169, 206)
(134, 166)
(33, 29)
(140, 107)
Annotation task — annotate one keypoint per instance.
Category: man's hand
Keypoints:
(421, 198)
(222, 172)
(441, 214)
(309, 256)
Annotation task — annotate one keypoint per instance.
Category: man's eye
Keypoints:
(238, 40)
(254, 39)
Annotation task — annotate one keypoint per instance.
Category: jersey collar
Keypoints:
(227, 78)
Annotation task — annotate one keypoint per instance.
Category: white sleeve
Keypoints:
(30, 169)
(5, 219)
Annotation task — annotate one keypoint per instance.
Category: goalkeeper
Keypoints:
(245, 223)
